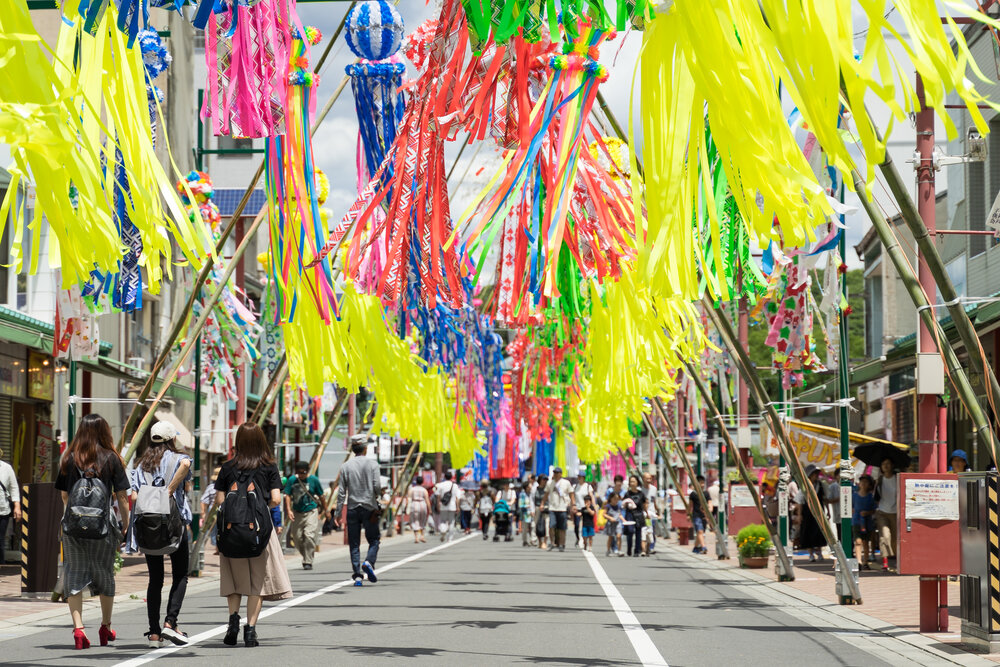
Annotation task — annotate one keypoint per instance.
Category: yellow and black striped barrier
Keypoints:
(25, 511)
(993, 553)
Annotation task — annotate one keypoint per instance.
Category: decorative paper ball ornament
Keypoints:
(374, 30)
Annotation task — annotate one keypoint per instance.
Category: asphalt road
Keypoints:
(483, 603)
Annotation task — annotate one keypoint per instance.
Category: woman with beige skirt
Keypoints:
(263, 577)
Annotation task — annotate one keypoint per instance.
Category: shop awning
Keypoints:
(820, 445)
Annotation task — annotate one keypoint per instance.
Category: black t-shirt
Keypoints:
(636, 513)
(696, 505)
(265, 478)
(109, 470)
(588, 517)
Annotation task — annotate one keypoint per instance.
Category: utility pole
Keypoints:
(931, 435)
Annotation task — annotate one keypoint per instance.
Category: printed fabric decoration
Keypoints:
(76, 336)
(247, 50)
(155, 60)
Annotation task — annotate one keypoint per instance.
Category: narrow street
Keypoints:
(475, 602)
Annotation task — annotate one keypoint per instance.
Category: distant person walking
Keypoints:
(251, 562)
(10, 503)
(90, 476)
(161, 464)
(484, 506)
(303, 500)
(697, 514)
(419, 502)
(887, 503)
(581, 489)
(360, 490)
(447, 495)
(558, 493)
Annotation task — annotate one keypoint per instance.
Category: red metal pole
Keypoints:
(241, 381)
(930, 429)
(743, 400)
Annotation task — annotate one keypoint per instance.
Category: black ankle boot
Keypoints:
(233, 631)
(250, 636)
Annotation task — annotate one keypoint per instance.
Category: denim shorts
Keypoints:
(699, 524)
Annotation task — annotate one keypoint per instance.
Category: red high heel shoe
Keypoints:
(106, 634)
(80, 638)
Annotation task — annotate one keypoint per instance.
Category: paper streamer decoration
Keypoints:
(247, 51)
(80, 120)
(296, 226)
(76, 334)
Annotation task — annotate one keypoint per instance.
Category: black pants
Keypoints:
(4, 522)
(466, 521)
(358, 518)
(179, 561)
(577, 518)
(484, 523)
(631, 533)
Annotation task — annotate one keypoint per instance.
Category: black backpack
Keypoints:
(88, 509)
(244, 519)
(158, 527)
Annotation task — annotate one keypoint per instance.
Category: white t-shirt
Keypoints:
(444, 487)
(888, 494)
(581, 491)
(509, 495)
(558, 495)
(713, 496)
(13, 494)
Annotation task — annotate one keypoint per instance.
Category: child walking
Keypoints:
(613, 525)
(863, 519)
(588, 514)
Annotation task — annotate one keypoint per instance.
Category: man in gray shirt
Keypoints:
(359, 487)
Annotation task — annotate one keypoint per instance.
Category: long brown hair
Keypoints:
(252, 448)
(91, 446)
(153, 452)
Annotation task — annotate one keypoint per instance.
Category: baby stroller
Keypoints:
(501, 519)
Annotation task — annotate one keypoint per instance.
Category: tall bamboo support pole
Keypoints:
(721, 541)
(706, 395)
(274, 385)
(759, 396)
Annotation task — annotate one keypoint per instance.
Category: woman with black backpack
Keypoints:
(162, 466)
(251, 561)
(90, 472)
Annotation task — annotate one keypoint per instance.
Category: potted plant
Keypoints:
(754, 545)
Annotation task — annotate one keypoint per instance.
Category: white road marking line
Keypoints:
(287, 604)
(644, 647)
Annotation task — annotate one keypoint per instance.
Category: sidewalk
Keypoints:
(18, 614)
(890, 598)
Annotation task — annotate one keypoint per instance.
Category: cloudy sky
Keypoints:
(336, 140)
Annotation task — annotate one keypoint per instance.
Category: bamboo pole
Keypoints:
(929, 253)
(956, 371)
(188, 349)
(706, 395)
(324, 438)
(267, 397)
(721, 541)
(757, 393)
(206, 269)
(390, 524)
(666, 462)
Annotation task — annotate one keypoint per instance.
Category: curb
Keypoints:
(918, 648)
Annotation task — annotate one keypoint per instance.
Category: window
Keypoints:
(956, 269)
(874, 324)
(231, 143)
(978, 208)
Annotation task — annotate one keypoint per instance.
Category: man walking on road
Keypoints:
(359, 487)
(303, 496)
(557, 500)
(447, 494)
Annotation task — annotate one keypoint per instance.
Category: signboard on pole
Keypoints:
(935, 499)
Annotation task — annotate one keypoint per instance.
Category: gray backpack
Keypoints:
(158, 527)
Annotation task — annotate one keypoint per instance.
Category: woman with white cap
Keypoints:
(161, 464)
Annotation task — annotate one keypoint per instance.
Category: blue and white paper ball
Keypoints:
(374, 30)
